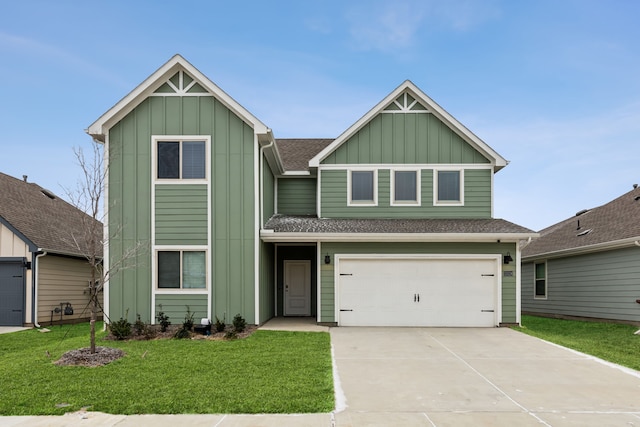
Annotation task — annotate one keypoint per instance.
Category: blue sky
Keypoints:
(553, 86)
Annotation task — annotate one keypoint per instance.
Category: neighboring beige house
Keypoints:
(44, 274)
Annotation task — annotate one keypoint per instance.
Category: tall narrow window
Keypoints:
(405, 188)
(182, 270)
(362, 187)
(449, 187)
(540, 280)
(181, 160)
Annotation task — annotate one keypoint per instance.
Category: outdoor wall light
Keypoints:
(507, 258)
(327, 259)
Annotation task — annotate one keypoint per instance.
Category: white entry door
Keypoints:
(297, 288)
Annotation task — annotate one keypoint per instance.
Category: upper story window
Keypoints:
(405, 187)
(363, 187)
(448, 187)
(181, 158)
(182, 270)
(540, 280)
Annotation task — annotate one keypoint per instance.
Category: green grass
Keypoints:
(268, 372)
(613, 342)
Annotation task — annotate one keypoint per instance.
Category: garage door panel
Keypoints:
(417, 292)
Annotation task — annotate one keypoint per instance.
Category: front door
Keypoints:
(11, 294)
(297, 288)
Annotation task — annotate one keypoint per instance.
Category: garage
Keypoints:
(11, 292)
(418, 290)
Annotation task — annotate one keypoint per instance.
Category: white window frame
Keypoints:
(181, 290)
(546, 280)
(155, 139)
(392, 191)
(436, 201)
(375, 187)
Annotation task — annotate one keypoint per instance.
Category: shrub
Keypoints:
(139, 326)
(163, 319)
(182, 333)
(188, 320)
(120, 329)
(239, 324)
(219, 325)
(230, 335)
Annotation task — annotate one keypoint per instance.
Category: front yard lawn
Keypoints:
(613, 342)
(268, 372)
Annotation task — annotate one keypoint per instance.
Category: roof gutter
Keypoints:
(272, 236)
(599, 247)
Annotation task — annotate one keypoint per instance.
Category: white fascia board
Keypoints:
(271, 236)
(497, 160)
(296, 173)
(99, 128)
(599, 247)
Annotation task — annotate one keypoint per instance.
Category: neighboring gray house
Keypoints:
(587, 265)
(44, 277)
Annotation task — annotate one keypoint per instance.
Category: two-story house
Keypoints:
(391, 223)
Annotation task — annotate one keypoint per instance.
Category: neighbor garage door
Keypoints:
(418, 291)
(11, 293)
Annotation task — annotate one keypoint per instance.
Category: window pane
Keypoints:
(449, 186)
(168, 160)
(405, 186)
(540, 273)
(193, 160)
(362, 186)
(169, 269)
(194, 270)
(540, 288)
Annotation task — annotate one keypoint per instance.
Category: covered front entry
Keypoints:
(411, 290)
(296, 272)
(12, 292)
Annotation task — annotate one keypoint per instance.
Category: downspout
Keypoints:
(35, 271)
(637, 242)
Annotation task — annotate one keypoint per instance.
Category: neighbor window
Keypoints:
(449, 187)
(182, 270)
(540, 280)
(405, 187)
(181, 159)
(362, 187)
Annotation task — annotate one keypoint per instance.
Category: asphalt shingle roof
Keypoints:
(296, 153)
(313, 224)
(48, 221)
(614, 221)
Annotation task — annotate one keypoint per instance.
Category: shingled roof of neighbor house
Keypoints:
(47, 221)
(296, 153)
(616, 221)
(312, 224)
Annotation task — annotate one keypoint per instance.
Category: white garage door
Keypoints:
(460, 291)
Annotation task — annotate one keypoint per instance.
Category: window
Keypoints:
(182, 270)
(449, 187)
(363, 188)
(540, 280)
(181, 159)
(405, 187)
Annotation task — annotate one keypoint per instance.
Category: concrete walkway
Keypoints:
(434, 377)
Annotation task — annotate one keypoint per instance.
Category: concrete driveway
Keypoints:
(475, 377)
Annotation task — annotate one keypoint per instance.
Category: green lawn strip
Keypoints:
(268, 372)
(613, 342)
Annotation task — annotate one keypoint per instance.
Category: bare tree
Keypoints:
(89, 238)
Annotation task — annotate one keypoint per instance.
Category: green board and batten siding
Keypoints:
(418, 139)
(231, 174)
(327, 278)
(601, 285)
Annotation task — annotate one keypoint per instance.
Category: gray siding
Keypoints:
(600, 285)
(297, 196)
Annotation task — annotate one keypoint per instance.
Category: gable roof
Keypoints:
(612, 225)
(432, 107)
(296, 153)
(43, 220)
(99, 128)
